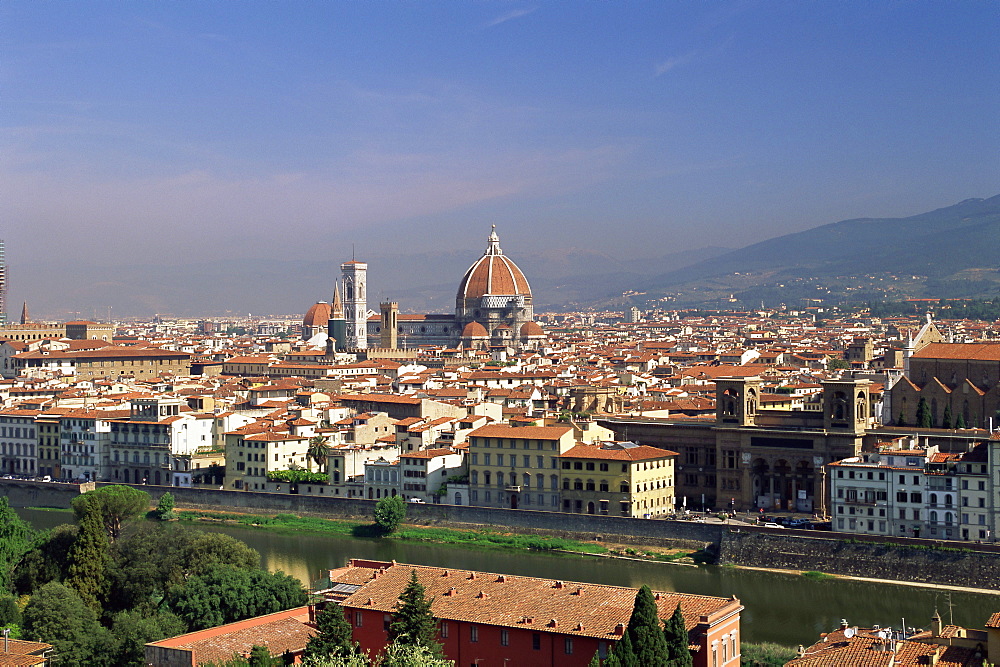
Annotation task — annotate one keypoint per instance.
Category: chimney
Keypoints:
(559, 584)
(620, 629)
(843, 624)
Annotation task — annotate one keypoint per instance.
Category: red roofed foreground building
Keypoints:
(942, 646)
(493, 620)
(281, 632)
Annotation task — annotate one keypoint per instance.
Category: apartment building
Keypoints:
(617, 478)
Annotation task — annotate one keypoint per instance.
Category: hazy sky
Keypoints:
(160, 133)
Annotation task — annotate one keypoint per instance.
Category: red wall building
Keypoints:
(496, 620)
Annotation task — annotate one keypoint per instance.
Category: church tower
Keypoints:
(336, 328)
(355, 277)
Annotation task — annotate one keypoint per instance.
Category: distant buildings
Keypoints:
(3, 284)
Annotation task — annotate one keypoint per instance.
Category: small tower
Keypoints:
(736, 401)
(355, 277)
(336, 328)
(390, 325)
(846, 405)
(24, 313)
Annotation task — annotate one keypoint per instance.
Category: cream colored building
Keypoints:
(618, 479)
(517, 466)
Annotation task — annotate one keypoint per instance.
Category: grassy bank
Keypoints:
(476, 538)
(765, 655)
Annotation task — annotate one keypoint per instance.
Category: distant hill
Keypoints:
(952, 249)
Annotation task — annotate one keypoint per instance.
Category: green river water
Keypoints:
(782, 608)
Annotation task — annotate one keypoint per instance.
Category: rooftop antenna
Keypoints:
(951, 609)
(352, 253)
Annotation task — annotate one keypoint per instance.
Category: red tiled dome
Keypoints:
(493, 273)
(317, 316)
(475, 330)
(531, 329)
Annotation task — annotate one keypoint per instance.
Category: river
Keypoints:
(782, 608)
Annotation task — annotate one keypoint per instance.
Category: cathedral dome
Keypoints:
(493, 274)
(317, 316)
(529, 329)
(475, 330)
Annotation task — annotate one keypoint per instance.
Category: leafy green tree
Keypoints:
(47, 560)
(924, 418)
(389, 513)
(132, 630)
(414, 623)
(318, 451)
(88, 560)
(56, 615)
(115, 505)
(224, 594)
(165, 507)
(260, 656)
(333, 634)
(676, 636)
(9, 611)
(946, 420)
(411, 655)
(16, 538)
(648, 642)
(157, 556)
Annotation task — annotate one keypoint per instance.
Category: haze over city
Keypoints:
(194, 143)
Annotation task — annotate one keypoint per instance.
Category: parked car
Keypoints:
(771, 524)
(798, 523)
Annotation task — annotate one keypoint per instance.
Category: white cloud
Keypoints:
(510, 16)
(665, 66)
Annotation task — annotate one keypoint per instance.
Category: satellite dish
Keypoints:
(850, 632)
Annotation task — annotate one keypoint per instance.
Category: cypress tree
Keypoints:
(960, 421)
(676, 636)
(901, 419)
(414, 622)
(333, 634)
(923, 414)
(622, 655)
(648, 642)
(88, 558)
(946, 420)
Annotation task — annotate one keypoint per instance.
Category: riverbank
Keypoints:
(476, 538)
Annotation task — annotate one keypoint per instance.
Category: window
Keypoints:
(358, 618)
(568, 646)
(536, 641)
(504, 637)
(604, 468)
(473, 634)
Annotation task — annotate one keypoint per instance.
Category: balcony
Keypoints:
(512, 489)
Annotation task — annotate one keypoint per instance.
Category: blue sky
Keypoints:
(168, 132)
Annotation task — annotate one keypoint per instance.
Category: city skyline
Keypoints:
(159, 136)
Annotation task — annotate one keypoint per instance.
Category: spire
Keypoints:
(494, 243)
(24, 313)
(337, 309)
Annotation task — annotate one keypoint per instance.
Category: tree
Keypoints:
(88, 560)
(115, 505)
(260, 656)
(56, 615)
(924, 418)
(333, 634)
(414, 622)
(648, 642)
(224, 594)
(47, 560)
(157, 556)
(165, 508)
(16, 538)
(901, 419)
(676, 636)
(389, 513)
(622, 655)
(132, 630)
(318, 451)
(411, 655)
(960, 421)
(946, 420)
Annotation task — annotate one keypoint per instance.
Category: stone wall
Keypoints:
(837, 554)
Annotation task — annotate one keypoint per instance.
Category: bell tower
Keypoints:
(355, 276)
(736, 401)
(846, 405)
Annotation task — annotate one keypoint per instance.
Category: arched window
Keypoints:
(475, 478)
(933, 499)
(554, 482)
(590, 487)
(499, 479)
(933, 517)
